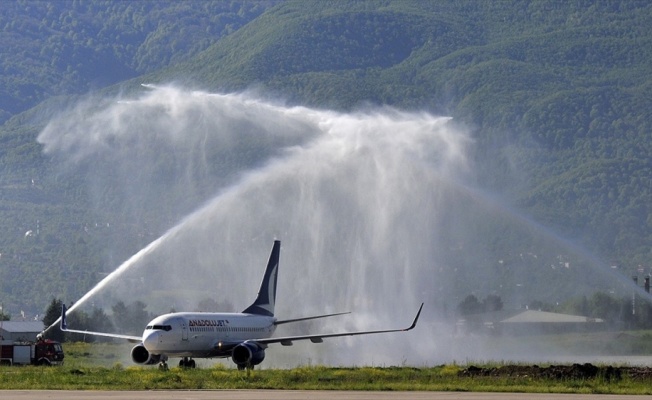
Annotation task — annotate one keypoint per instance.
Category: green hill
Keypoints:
(68, 47)
(554, 93)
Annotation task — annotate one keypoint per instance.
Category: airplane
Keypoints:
(243, 337)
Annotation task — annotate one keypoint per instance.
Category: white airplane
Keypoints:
(241, 336)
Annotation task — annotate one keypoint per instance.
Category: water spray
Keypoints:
(371, 208)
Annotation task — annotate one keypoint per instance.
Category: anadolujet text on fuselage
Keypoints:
(241, 336)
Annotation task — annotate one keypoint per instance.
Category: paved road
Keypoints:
(287, 395)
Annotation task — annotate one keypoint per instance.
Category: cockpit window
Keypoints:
(159, 327)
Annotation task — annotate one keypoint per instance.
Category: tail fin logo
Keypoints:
(264, 303)
(62, 323)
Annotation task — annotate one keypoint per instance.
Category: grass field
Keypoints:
(95, 367)
(443, 378)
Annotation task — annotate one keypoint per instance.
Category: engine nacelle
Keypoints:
(140, 355)
(248, 354)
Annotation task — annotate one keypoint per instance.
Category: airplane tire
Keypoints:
(187, 363)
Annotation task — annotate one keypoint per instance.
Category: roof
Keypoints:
(532, 316)
(529, 316)
(22, 326)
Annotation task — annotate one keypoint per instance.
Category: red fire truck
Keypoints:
(41, 352)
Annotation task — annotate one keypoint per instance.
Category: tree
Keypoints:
(605, 306)
(119, 316)
(80, 321)
(137, 316)
(53, 313)
(540, 305)
(130, 318)
(100, 322)
(470, 305)
(492, 303)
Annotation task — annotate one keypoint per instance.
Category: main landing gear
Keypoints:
(241, 367)
(187, 362)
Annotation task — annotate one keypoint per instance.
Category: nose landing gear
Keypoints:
(163, 364)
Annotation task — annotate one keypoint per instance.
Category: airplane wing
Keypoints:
(64, 327)
(285, 321)
(318, 338)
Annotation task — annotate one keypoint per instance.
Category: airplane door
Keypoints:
(184, 331)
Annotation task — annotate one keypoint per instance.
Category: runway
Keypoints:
(288, 395)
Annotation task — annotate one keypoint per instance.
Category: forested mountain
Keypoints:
(554, 93)
(52, 48)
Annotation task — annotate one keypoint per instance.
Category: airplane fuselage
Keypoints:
(204, 334)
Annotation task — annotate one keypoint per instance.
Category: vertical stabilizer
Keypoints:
(264, 304)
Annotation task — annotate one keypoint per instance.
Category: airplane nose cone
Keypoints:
(151, 340)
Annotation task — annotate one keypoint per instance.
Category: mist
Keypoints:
(377, 210)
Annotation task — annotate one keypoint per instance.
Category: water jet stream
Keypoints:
(114, 275)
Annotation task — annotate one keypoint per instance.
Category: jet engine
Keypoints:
(140, 355)
(248, 354)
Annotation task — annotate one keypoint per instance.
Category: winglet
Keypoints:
(414, 323)
(63, 325)
(264, 303)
